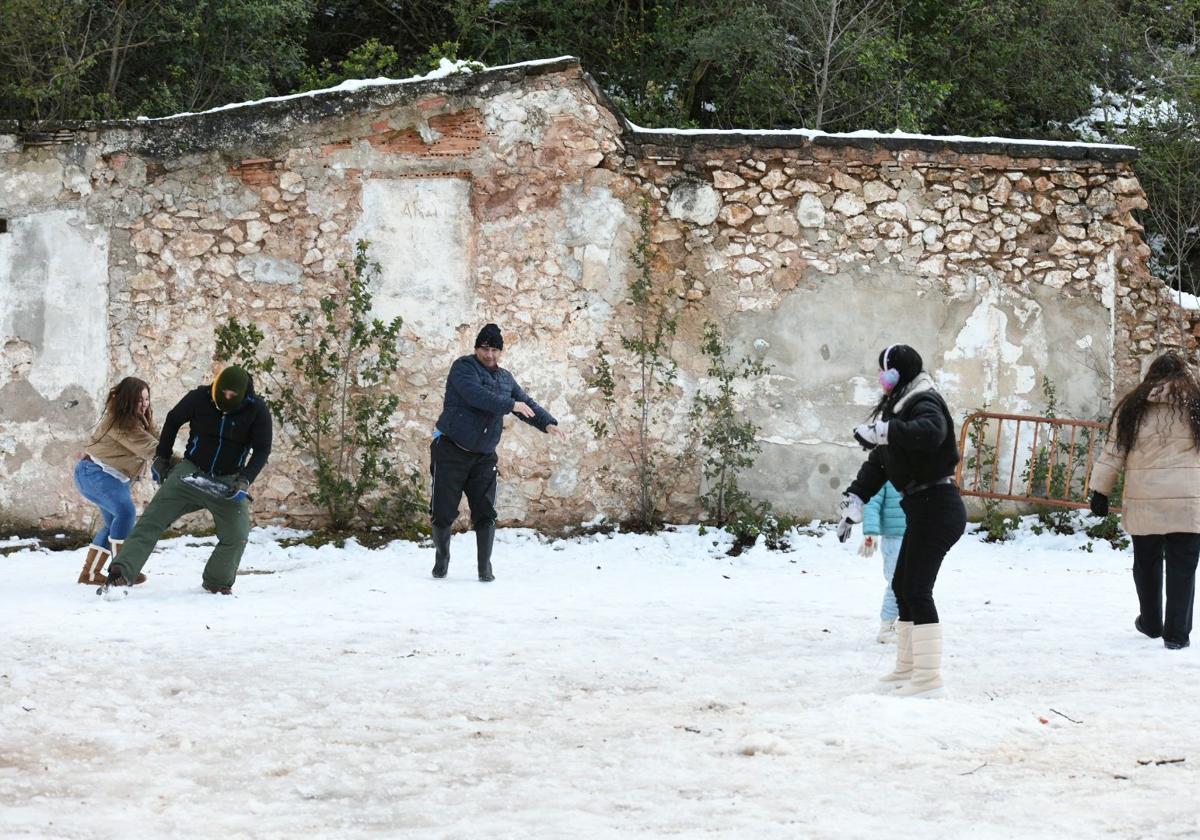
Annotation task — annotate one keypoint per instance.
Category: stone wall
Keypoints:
(513, 196)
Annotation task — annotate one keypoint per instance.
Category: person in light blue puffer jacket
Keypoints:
(884, 521)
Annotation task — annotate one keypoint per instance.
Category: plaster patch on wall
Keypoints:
(983, 341)
(54, 298)
(866, 392)
(420, 234)
(264, 269)
(33, 184)
(594, 236)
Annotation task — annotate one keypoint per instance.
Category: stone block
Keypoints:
(736, 214)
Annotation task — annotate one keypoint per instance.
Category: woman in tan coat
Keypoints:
(1154, 438)
(115, 457)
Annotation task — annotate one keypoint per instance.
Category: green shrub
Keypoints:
(332, 400)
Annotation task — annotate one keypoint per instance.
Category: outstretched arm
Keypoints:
(539, 418)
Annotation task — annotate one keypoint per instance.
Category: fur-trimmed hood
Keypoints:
(923, 382)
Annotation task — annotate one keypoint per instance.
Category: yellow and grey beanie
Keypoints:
(232, 378)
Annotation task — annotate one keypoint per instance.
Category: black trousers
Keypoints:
(1179, 552)
(936, 520)
(456, 471)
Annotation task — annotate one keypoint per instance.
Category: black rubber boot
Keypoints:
(485, 533)
(441, 557)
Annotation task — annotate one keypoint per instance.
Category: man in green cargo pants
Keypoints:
(229, 442)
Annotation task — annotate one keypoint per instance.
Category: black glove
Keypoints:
(239, 488)
(1098, 504)
(160, 468)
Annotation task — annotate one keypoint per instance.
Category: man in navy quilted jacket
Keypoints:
(462, 456)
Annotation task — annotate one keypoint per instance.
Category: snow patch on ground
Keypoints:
(608, 685)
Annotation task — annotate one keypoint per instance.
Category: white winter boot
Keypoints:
(904, 656)
(927, 663)
(887, 633)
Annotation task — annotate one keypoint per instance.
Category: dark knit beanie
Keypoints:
(902, 359)
(490, 336)
(233, 378)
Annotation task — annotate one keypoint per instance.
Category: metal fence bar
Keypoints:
(1037, 427)
(1016, 443)
(1058, 464)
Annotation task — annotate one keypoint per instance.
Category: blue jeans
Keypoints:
(112, 496)
(890, 548)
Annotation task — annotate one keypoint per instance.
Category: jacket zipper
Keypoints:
(220, 442)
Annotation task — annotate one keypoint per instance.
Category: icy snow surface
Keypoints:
(601, 687)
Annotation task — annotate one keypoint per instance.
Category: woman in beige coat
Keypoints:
(1154, 438)
(115, 457)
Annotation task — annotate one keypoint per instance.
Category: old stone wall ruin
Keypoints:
(513, 196)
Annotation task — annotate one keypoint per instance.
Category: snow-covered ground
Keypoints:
(602, 687)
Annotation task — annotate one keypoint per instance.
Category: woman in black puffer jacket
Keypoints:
(910, 436)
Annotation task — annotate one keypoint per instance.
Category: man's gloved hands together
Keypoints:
(870, 435)
(849, 511)
(240, 488)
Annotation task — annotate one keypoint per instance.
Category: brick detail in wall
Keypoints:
(455, 135)
(257, 172)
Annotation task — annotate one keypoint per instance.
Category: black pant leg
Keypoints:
(481, 489)
(1148, 580)
(1182, 552)
(936, 520)
(898, 578)
(449, 467)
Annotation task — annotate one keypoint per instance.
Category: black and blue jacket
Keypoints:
(477, 400)
(237, 443)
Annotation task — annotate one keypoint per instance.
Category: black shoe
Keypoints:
(1137, 625)
(115, 587)
(1171, 644)
(217, 590)
(441, 548)
(485, 535)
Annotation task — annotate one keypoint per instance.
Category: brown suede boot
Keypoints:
(92, 564)
(116, 547)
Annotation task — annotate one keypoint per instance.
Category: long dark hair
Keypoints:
(1171, 371)
(121, 406)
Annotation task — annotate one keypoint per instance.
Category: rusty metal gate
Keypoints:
(1030, 459)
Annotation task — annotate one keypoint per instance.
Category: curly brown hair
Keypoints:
(121, 406)
(1172, 371)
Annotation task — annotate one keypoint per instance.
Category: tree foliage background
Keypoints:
(1106, 70)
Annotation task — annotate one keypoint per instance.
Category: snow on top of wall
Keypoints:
(869, 135)
(1185, 300)
(448, 68)
(445, 68)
